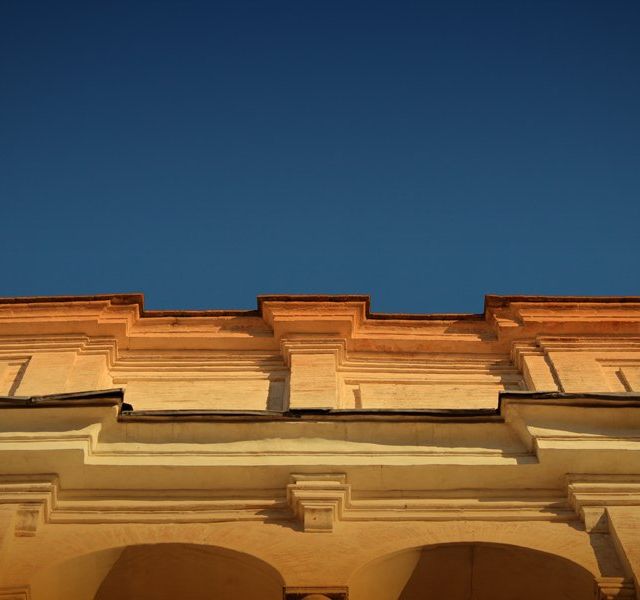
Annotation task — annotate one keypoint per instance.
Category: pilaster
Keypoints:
(624, 525)
(611, 504)
(594, 496)
(535, 368)
(7, 525)
(313, 361)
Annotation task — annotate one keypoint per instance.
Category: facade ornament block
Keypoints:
(318, 500)
(28, 518)
(31, 498)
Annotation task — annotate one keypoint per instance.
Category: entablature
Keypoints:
(318, 352)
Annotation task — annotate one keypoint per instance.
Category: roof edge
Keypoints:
(490, 301)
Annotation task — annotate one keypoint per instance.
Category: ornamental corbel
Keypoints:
(318, 500)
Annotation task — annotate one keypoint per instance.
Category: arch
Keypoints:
(159, 571)
(471, 570)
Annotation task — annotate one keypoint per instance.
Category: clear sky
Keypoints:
(425, 153)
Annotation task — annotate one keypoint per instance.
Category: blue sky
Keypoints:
(425, 153)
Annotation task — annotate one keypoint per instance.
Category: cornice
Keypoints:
(495, 300)
(99, 429)
(126, 412)
(93, 398)
(319, 501)
(490, 301)
(506, 319)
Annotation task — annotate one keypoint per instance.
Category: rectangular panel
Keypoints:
(429, 395)
(227, 394)
(313, 381)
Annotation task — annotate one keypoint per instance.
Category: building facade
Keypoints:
(313, 449)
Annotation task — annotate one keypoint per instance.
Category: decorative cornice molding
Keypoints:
(36, 500)
(344, 314)
(590, 495)
(318, 501)
(321, 500)
(314, 345)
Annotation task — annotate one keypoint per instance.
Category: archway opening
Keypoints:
(472, 571)
(160, 572)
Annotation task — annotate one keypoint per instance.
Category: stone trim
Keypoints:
(316, 593)
(15, 593)
(589, 495)
(615, 588)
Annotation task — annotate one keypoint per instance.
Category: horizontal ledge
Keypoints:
(495, 300)
(110, 397)
(576, 399)
(297, 415)
(126, 412)
(569, 395)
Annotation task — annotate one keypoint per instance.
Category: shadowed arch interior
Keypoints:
(160, 572)
(472, 571)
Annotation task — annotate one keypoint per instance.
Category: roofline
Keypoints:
(490, 301)
(496, 300)
(128, 298)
